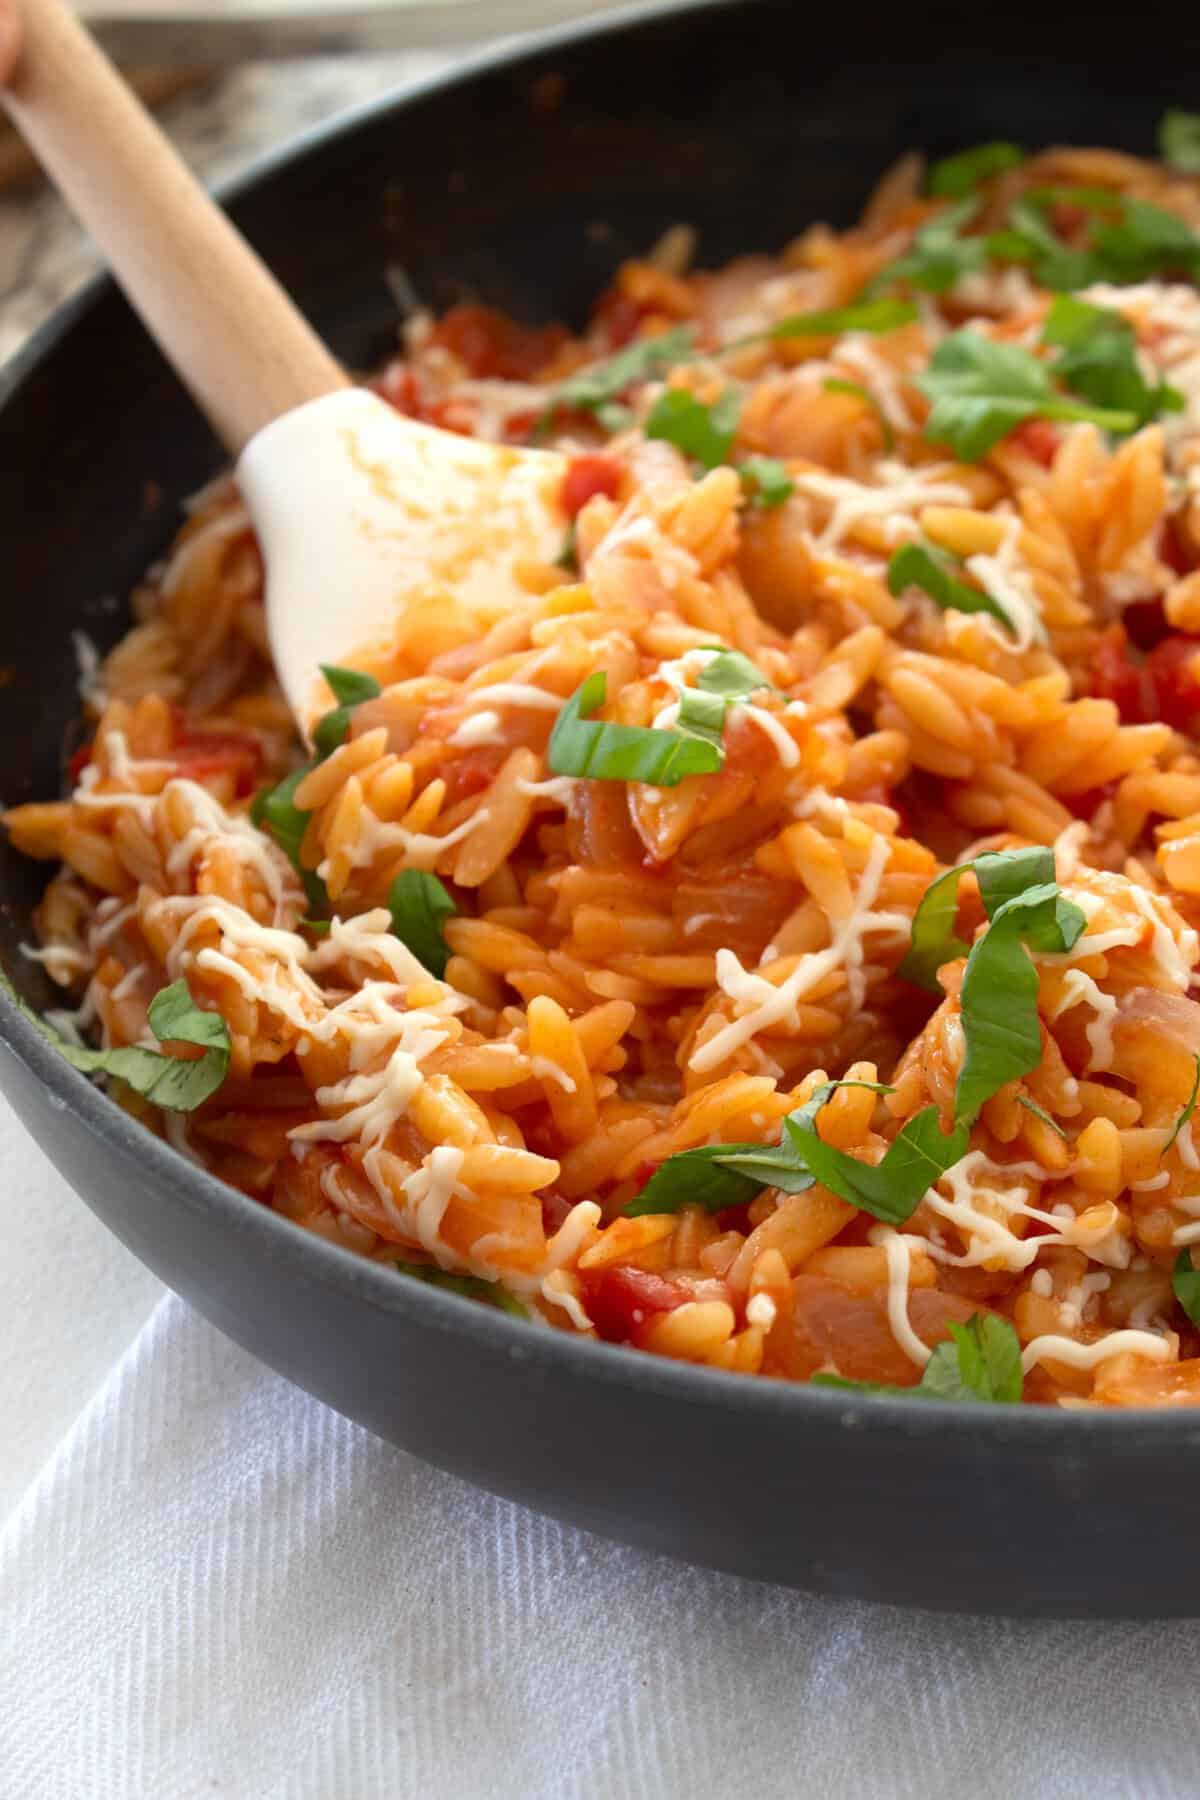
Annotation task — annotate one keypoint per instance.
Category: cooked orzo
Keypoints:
(771, 944)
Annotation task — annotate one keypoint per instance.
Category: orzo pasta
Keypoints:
(576, 965)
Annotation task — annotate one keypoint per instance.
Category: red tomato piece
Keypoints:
(491, 344)
(618, 1301)
(620, 317)
(474, 772)
(1173, 551)
(1145, 622)
(79, 762)
(1174, 672)
(202, 754)
(399, 386)
(587, 476)
(1039, 439)
(1118, 677)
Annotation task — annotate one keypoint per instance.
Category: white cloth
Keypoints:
(218, 1587)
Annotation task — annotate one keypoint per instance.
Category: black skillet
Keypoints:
(521, 181)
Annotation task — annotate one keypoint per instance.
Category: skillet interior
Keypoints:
(523, 184)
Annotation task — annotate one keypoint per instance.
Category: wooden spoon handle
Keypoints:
(232, 334)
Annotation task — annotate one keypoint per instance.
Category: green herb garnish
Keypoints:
(350, 689)
(1100, 362)
(568, 556)
(1179, 141)
(982, 1361)
(766, 481)
(981, 390)
(1039, 1112)
(703, 433)
(597, 388)
(420, 906)
(1188, 1110)
(915, 566)
(599, 751)
(860, 315)
(957, 176)
(939, 255)
(176, 1083)
(471, 1287)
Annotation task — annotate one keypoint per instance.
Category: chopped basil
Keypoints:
(860, 315)
(1039, 1112)
(1030, 239)
(702, 715)
(1188, 1110)
(981, 1361)
(939, 254)
(1144, 241)
(597, 388)
(704, 433)
(766, 481)
(599, 751)
(568, 556)
(176, 1083)
(892, 1189)
(471, 1287)
(275, 811)
(981, 390)
(350, 689)
(420, 906)
(834, 384)
(915, 566)
(732, 675)
(1185, 1279)
(717, 1176)
(1100, 360)
(1179, 141)
(957, 176)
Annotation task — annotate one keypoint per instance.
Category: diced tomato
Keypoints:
(586, 476)
(619, 316)
(618, 1301)
(1116, 676)
(1145, 622)
(1039, 439)
(1174, 671)
(555, 1211)
(474, 772)
(79, 762)
(202, 754)
(399, 385)
(736, 1218)
(1085, 805)
(1173, 551)
(491, 344)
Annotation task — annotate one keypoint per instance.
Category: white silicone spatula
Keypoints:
(359, 511)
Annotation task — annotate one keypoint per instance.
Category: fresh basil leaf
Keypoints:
(956, 176)
(702, 715)
(175, 1083)
(1186, 1282)
(939, 254)
(732, 675)
(1145, 241)
(833, 384)
(915, 566)
(1056, 264)
(980, 390)
(1100, 359)
(892, 1189)
(1039, 1112)
(275, 811)
(933, 940)
(471, 1287)
(1188, 1110)
(982, 1361)
(350, 687)
(1000, 993)
(420, 906)
(598, 387)
(1179, 141)
(1004, 874)
(766, 481)
(318, 927)
(599, 751)
(697, 1178)
(568, 556)
(703, 433)
(861, 315)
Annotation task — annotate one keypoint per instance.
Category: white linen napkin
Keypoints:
(220, 1587)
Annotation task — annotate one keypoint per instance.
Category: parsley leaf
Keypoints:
(915, 566)
(471, 1287)
(957, 176)
(939, 254)
(176, 1083)
(704, 433)
(766, 481)
(1100, 359)
(1185, 1279)
(600, 751)
(861, 315)
(1188, 1110)
(1179, 141)
(419, 906)
(1142, 242)
(981, 390)
(833, 384)
(981, 1361)
(350, 689)
(598, 387)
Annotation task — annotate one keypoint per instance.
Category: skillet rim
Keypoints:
(1020, 1428)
